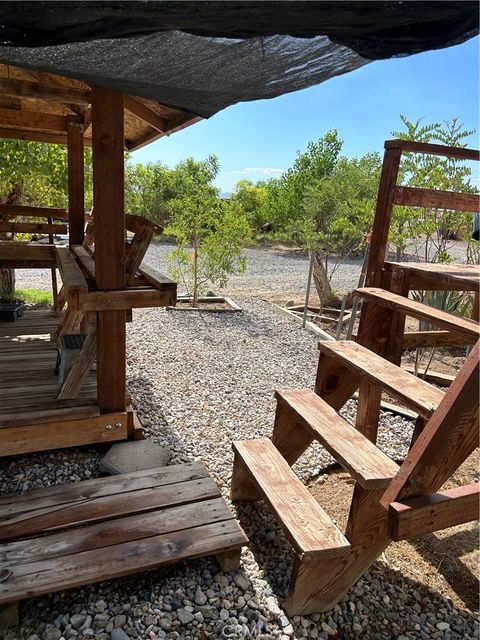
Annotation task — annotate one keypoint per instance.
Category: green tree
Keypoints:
(210, 233)
(429, 231)
(252, 198)
(148, 190)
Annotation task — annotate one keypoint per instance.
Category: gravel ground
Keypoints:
(200, 381)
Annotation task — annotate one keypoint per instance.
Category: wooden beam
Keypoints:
(42, 91)
(383, 216)
(108, 196)
(72, 277)
(435, 511)
(414, 339)
(45, 122)
(433, 149)
(85, 259)
(33, 227)
(127, 299)
(37, 136)
(435, 199)
(448, 438)
(144, 112)
(13, 210)
(62, 434)
(76, 183)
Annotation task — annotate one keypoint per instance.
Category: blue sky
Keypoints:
(258, 140)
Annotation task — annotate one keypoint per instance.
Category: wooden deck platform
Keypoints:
(32, 419)
(76, 534)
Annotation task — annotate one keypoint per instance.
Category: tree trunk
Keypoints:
(7, 284)
(320, 279)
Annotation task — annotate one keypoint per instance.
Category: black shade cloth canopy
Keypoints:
(204, 56)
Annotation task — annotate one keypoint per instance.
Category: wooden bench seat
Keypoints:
(71, 535)
(309, 528)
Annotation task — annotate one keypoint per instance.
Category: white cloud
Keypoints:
(263, 171)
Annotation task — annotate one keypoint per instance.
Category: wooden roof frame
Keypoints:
(38, 107)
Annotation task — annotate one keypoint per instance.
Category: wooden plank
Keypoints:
(72, 276)
(43, 91)
(37, 136)
(126, 299)
(62, 434)
(144, 112)
(85, 259)
(33, 227)
(426, 514)
(37, 578)
(155, 278)
(435, 199)
(98, 487)
(48, 415)
(118, 531)
(112, 505)
(76, 182)
(448, 438)
(414, 339)
(13, 210)
(442, 379)
(310, 530)
(383, 217)
(356, 454)
(417, 394)
(433, 149)
(108, 191)
(439, 277)
(27, 251)
(45, 122)
(436, 317)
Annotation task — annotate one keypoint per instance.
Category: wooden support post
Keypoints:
(76, 183)
(108, 196)
(230, 560)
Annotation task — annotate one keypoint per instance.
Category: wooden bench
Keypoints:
(71, 535)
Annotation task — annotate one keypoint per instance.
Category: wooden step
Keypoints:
(71, 535)
(417, 394)
(308, 527)
(361, 458)
(436, 317)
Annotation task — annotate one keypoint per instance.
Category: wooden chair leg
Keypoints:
(68, 324)
(242, 489)
(368, 410)
(80, 368)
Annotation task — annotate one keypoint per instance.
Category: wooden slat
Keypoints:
(85, 259)
(80, 368)
(112, 505)
(45, 122)
(72, 276)
(144, 112)
(155, 278)
(27, 251)
(426, 514)
(360, 457)
(414, 339)
(56, 574)
(43, 91)
(435, 199)
(58, 435)
(442, 379)
(118, 531)
(37, 136)
(53, 414)
(13, 210)
(417, 394)
(33, 227)
(310, 530)
(436, 317)
(433, 149)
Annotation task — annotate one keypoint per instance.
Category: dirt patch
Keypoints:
(446, 561)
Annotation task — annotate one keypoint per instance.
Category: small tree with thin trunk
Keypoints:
(210, 233)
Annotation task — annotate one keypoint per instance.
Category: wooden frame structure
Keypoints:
(88, 531)
(43, 107)
(390, 502)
